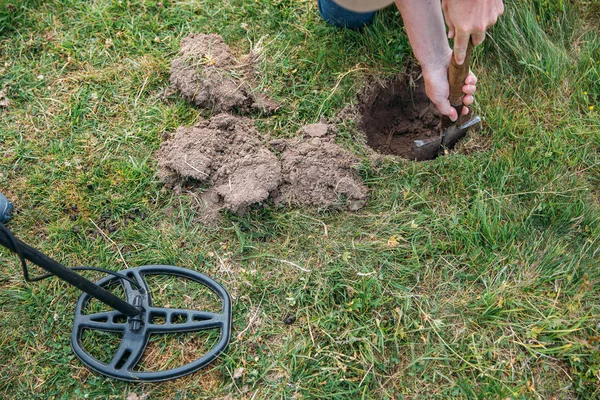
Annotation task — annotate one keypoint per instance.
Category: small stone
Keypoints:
(4, 102)
(289, 320)
(356, 205)
(316, 130)
(238, 373)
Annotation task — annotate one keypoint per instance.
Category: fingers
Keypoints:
(465, 111)
(449, 24)
(461, 42)
(469, 89)
(451, 32)
(446, 109)
(471, 79)
(477, 38)
(451, 29)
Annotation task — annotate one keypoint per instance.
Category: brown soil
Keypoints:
(207, 74)
(228, 155)
(394, 114)
(319, 173)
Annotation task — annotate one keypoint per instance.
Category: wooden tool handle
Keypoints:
(456, 77)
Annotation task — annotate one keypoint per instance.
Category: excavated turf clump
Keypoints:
(207, 74)
(319, 173)
(228, 162)
(229, 156)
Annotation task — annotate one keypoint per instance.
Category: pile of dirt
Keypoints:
(319, 173)
(207, 74)
(229, 162)
(394, 114)
(227, 154)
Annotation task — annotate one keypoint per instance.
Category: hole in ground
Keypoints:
(397, 112)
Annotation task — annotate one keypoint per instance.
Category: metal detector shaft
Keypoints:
(64, 273)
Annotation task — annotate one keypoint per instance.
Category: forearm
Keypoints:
(424, 23)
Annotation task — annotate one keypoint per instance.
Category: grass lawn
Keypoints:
(470, 276)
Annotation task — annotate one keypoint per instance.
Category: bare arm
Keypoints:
(424, 24)
(426, 31)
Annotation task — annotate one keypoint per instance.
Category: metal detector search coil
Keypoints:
(137, 330)
(135, 317)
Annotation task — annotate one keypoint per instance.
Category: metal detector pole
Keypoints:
(64, 273)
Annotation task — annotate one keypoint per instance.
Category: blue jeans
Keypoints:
(5, 209)
(339, 16)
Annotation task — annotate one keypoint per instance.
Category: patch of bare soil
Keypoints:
(228, 155)
(319, 173)
(394, 114)
(207, 74)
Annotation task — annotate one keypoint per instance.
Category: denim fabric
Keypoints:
(5, 209)
(339, 16)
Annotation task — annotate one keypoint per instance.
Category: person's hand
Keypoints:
(468, 20)
(438, 89)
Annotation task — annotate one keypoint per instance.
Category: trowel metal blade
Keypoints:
(429, 148)
(453, 133)
(426, 149)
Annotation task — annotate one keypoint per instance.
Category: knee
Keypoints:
(337, 15)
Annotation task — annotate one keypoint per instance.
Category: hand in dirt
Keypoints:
(468, 20)
(438, 90)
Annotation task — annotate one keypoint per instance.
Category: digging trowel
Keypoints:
(452, 132)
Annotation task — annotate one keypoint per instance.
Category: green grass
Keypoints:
(490, 289)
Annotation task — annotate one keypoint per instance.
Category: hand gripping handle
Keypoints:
(457, 74)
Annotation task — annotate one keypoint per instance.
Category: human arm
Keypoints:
(424, 23)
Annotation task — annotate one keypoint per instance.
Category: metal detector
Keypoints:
(134, 317)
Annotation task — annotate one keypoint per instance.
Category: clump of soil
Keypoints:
(207, 74)
(317, 130)
(319, 173)
(228, 155)
(396, 113)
